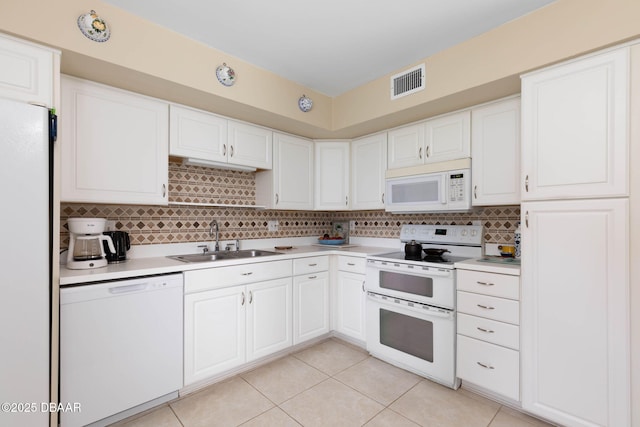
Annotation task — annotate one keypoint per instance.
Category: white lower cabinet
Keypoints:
(350, 298)
(230, 326)
(488, 331)
(310, 298)
(575, 312)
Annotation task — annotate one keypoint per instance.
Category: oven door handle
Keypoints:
(416, 270)
(415, 307)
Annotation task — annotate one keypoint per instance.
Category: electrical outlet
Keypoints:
(352, 225)
(272, 225)
(110, 225)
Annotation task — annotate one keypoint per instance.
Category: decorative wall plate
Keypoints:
(94, 27)
(305, 104)
(226, 75)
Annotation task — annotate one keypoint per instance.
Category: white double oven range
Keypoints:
(411, 300)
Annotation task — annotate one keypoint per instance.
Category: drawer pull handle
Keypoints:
(313, 277)
(247, 274)
(485, 283)
(242, 299)
(488, 331)
(485, 307)
(250, 297)
(351, 264)
(485, 366)
(312, 265)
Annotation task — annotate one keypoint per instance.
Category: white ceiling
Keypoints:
(330, 46)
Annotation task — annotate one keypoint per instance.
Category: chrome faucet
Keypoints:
(214, 223)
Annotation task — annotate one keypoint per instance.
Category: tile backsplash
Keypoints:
(193, 184)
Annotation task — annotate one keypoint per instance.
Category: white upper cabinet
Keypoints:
(250, 145)
(574, 129)
(332, 175)
(114, 145)
(443, 138)
(495, 132)
(27, 71)
(290, 184)
(197, 134)
(406, 146)
(224, 143)
(368, 163)
(448, 137)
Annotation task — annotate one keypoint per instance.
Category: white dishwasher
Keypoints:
(120, 347)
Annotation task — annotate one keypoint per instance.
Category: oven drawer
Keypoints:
(352, 264)
(500, 333)
(504, 310)
(310, 265)
(490, 366)
(497, 285)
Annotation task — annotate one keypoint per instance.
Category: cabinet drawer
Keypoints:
(310, 265)
(352, 264)
(490, 366)
(500, 333)
(221, 277)
(504, 310)
(497, 285)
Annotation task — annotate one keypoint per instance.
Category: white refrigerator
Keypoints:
(25, 263)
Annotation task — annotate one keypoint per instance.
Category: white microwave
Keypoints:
(448, 191)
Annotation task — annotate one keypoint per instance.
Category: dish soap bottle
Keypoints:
(516, 240)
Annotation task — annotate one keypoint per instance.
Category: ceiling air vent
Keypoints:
(407, 82)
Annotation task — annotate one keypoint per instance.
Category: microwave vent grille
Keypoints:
(408, 82)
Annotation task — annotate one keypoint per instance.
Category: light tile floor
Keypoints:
(331, 384)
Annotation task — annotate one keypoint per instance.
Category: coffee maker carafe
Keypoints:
(85, 243)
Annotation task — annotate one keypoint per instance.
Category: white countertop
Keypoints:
(136, 267)
(489, 267)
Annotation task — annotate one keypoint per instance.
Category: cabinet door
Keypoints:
(292, 174)
(332, 175)
(406, 146)
(250, 145)
(114, 145)
(495, 132)
(27, 72)
(448, 137)
(574, 129)
(269, 321)
(368, 164)
(310, 306)
(350, 305)
(575, 315)
(197, 134)
(214, 332)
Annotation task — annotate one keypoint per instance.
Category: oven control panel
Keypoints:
(451, 234)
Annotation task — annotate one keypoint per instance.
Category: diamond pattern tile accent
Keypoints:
(177, 224)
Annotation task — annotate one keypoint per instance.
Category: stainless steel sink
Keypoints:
(200, 257)
(218, 256)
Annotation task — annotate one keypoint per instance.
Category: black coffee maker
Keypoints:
(121, 243)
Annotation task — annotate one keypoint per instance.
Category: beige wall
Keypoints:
(149, 59)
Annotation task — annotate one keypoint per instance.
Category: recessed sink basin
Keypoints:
(218, 256)
(200, 257)
(250, 253)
